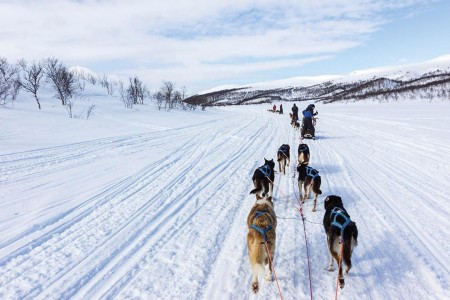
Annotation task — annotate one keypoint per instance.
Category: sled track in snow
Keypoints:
(175, 225)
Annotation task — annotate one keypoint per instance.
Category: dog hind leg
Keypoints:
(300, 184)
(336, 252)
(307, 191)
(254, 253)
(331, 261)
(269, 270)
(315, 202)
(270, 190)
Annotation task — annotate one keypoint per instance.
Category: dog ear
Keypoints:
(334, 201)
(326, 203)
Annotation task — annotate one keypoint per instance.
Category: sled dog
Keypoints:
(303, 154)
(310, 179)
(262, 223)
(295, 123)
(283, 157)
(263, 180)
(338, 225)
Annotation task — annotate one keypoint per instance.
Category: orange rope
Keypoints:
(304, 231)
(273, 269)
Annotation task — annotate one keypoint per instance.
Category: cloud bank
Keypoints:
(195, 43)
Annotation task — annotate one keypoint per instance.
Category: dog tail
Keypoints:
(258, 187)
(350, 241)
(316, 185)
(254, 191)
(256, 255)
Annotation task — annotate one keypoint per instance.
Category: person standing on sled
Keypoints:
(307, 123)
(281, 109)
(295, 112)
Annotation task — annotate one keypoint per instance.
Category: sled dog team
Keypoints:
(262, 220)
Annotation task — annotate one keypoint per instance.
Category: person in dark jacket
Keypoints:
(307, 123)
(295, 112)
(281, 109)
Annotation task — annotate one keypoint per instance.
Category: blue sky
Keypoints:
(203, 43)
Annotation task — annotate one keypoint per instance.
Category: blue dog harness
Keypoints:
(311, 172)
(283, 149)
(337, 212)
(259, 229)
(265, 170)
(303, 148)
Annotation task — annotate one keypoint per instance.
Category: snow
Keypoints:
(153, 204)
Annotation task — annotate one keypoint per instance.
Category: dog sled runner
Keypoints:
(309, 134)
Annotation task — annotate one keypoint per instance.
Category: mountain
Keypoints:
(427, 80)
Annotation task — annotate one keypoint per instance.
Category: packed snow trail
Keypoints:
(162, 215)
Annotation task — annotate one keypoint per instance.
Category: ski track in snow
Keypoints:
(174, 225)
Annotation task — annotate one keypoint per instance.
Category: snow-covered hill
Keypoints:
(399, 72)
(427, 80)
(148, 204)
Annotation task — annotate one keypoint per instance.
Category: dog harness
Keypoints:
(265, 170)
(259, 229)
(303, 148)
(337, 212)
(311, 172)
(283, 149)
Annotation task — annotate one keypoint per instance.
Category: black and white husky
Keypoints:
(310, 179)
(283, 157)
(338, 225)
(263, 178)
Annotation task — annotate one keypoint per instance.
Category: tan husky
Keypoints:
(262, 223)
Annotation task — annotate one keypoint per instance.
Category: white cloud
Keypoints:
(172, 38)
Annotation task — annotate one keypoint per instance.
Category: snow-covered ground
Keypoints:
(152, 204)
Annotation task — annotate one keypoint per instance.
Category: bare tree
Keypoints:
(69, 107)
(31, 77)
(110, 88)
(9, 81)
(183, 94)
(127, 101)
(91, 78)
(167, 90)
(62, 80)
(108, 85)
(136, 91)
(159, 99)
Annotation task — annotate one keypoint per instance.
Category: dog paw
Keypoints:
(341, 283)
(330, 269)
(314, 209)
(346, 270)
(255, 287)
(268, 277)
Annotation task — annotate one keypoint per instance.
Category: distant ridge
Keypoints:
(427, 80)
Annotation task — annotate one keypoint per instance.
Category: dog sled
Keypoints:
(308, 130)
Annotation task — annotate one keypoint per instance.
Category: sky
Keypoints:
(203, 43)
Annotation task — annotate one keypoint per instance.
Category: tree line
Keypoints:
(69, 84)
